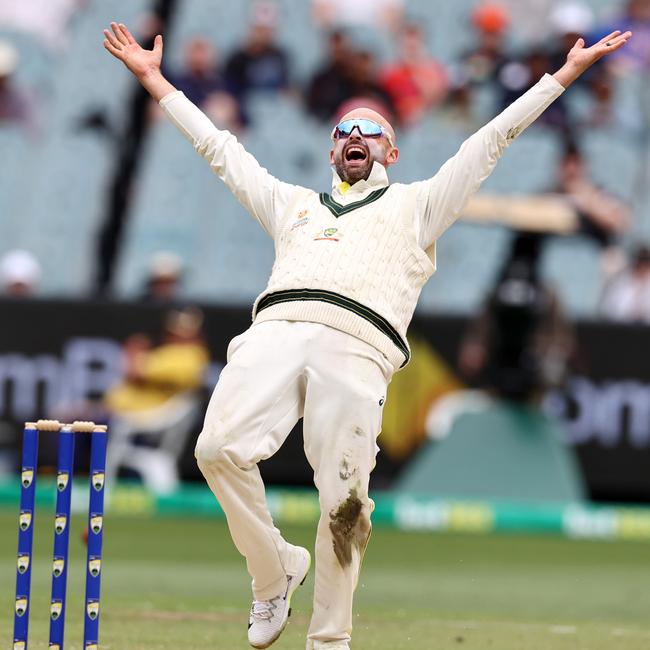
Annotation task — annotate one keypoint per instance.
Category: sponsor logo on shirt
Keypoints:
(329, 234)
(302, 219)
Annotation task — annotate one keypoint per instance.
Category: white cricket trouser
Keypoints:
(277, 372)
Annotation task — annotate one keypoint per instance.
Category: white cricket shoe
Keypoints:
(268, 618)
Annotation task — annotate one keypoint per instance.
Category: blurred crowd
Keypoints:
(407, 87)
(521, 342)
(411, 83)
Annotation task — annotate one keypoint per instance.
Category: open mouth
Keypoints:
(356, 153)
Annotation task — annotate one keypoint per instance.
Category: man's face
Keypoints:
(354, 156)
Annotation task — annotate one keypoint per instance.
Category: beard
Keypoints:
(350, 167)
(352, 174)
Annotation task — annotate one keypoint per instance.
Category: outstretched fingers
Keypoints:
(127, 34)
(112, 49)
(609, 37)
(119, 34)
(612, 44)
(110, 37)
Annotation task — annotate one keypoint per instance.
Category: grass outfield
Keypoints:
(179, 584)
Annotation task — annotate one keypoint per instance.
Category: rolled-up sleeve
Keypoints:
(442, 197)
(263, 195)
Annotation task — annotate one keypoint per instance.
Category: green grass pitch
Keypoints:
(179, 584)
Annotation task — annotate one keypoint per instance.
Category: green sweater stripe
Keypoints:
(291, 295)
(337, 209)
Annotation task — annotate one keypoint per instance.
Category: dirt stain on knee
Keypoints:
(349, 527)
(358, 431)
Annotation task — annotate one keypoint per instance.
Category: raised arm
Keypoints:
(580, 58)
(144, 64)
(258, 191)
(442, 197)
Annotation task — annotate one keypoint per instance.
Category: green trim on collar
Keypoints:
(337, 209)
(292, 295)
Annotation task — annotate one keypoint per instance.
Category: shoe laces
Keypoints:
(263, 609)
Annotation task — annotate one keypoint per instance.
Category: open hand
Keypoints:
(121, 44)
(582, 57)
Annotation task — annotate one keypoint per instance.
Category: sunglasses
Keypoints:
(367, 129)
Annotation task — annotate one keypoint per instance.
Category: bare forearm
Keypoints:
(567, 74)
(156, 85)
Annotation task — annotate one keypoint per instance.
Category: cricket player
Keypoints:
(329, 330)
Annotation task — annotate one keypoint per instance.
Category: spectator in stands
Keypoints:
(164, 278)
(416, 81)
(489, 63)
(627, 296)
(635, 16)
(48, 20)
(201, 75)
(602, 217)
(16, 105)
(156, 373)
(20, 274)
(515, 74)
(154, 408)
(480, 66)
(518, 74)
(330, 86)
(260, 64)
(382, 14)
(573, 205)
(570, 21)
(204, 84)
(482, 63)
(521, 342)
(364, 88)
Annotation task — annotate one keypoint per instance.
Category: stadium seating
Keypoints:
(55, 209)
(178, 205)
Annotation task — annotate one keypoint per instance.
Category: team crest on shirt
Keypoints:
(329, 234)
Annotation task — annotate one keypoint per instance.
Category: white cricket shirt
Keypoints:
(356, 261)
